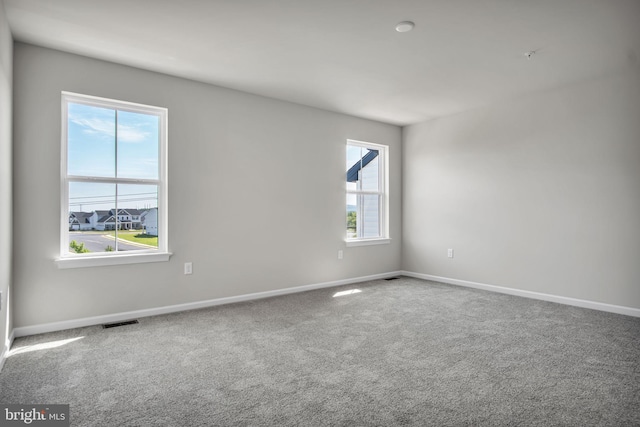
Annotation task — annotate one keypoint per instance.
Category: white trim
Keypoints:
(90, 100)
(6, 347)
(161, 182)
(64, 186)
(117, 317)
(367, 242)
(618, 309)
(382, 192)
(366, 144)
(117, 259)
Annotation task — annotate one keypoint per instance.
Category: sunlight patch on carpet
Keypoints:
(42, 346)
(349, 292)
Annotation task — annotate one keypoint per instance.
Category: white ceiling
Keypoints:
(345, 55)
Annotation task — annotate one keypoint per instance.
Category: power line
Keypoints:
(111, 195)
(109, 202)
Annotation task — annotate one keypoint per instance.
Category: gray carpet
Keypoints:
(403, 352)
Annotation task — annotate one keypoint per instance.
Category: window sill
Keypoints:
(100, 261)
(367, 242)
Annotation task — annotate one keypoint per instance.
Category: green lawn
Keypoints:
(136, 236)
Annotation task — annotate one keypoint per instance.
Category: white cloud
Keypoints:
(131, 134)
(96, 125)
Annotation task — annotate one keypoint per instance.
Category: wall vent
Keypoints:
(116, 324)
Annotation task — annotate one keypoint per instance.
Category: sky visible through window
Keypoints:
(94, 151)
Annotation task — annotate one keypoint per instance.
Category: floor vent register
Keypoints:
(116, 324)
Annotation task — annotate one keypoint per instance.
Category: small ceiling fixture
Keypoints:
(530, 54)
(405, 26)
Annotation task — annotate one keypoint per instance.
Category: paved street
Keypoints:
(98, 242)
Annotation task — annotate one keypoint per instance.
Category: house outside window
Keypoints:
(114, 172)
(367, 193)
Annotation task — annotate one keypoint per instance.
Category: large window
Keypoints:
(366, 193)
(114, 198)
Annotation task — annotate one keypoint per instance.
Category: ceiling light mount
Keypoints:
(405, 26)
(530, 54)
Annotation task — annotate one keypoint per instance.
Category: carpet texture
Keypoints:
(402, 352)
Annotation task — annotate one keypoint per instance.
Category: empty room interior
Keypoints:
(179, 244)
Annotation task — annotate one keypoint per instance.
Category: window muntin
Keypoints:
(113, 178)
(366, 180)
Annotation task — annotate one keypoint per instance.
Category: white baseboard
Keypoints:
(6, 348)
(118, 317)
(618, 309)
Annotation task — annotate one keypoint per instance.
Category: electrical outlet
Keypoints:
(340, 254)
(450, 253)
(188, 268)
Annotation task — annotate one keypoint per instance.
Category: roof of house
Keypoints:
(81, 215)
(125, 211)
(106, 218)
(104, 215)
(352, 173)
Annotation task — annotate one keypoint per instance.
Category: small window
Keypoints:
(366, 193)
(114, 197)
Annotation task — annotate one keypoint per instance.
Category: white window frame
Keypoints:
(68, 259)
(383, 192)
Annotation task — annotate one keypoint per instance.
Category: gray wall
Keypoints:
(539, 194)
(6, 70)
(256, 193)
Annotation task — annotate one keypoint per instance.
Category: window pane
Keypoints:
(363, 215)
(96, 226)
(370, 212)
(137, 217)
(369, 171)
(137, 145)
(362, 168)
(89, 217)
(91, 141)
(352, 216)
